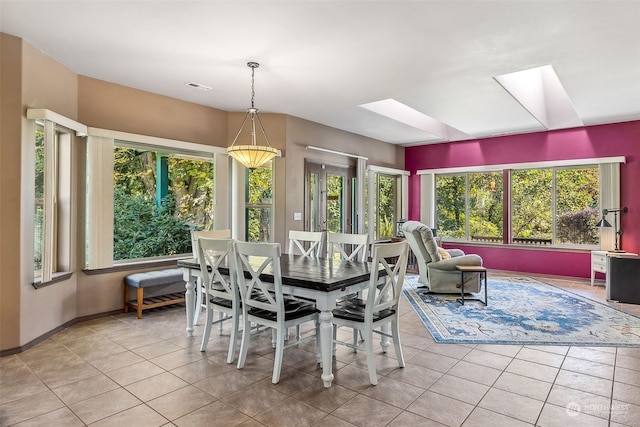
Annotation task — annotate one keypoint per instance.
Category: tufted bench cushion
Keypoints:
(150, 279)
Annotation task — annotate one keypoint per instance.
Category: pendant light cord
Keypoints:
(253, 66)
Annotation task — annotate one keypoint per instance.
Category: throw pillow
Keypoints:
(443, 253)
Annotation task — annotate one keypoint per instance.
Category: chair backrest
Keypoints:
(422, 242)
(337, 242)
(315, 239)
(393, 258)
(213, 254)
(209, 234)
(252, 259)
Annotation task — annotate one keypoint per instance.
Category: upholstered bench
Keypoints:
(151, 279)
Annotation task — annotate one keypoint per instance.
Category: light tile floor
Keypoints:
(119, 370)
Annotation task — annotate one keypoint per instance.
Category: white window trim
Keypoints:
(44, 114)
(156, 142)
(57, 246)
(525, 165)
(609, 185)
(372, 170)
(99, 224)
(609, 198)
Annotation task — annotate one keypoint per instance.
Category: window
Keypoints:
(38, 222)
(532, 206)
(145, 194)
(485, 206)
(335, 203)
(386, 192)
(560, 202)
(451, 206)
(52, 194)
(259, 203)
(577, 213)
(386, 206)
(549, 206)
(158, 198)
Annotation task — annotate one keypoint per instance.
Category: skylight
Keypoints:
(402, 113)
(541, 93)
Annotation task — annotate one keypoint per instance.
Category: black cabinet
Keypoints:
(623, 279)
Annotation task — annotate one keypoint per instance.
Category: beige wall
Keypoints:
(45, 84)
(31, 79)
(109, 106)
(10, 128)
(290, 178)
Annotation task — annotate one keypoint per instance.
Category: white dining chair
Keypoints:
(220, 290)
(195, 235)
(350, 247)
(299, 239)
(380, 307)
(263, 303)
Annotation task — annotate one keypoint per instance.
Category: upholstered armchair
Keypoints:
(439, 273)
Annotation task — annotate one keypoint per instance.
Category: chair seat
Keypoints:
(288, 299)
(294, 309)
(223, 302)
(353, 309)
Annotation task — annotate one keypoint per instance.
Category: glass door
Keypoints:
(329, 198)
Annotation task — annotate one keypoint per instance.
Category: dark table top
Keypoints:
(313, 273)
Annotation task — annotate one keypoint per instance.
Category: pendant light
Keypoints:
(254, 155)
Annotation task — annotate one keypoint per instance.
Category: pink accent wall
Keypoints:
(618, 139)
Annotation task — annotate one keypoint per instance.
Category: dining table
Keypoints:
(322, 280)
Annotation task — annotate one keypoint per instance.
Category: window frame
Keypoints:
(259, 205)
(401, 198)
(58, 193)
(609, 183)
(99, 218)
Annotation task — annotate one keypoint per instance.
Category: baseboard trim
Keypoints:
(43, 337)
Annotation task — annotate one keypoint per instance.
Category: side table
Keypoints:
(472, 269)
(599, 261)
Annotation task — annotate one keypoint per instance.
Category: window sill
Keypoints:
(135, 266)
(57, 277)
(454, 243)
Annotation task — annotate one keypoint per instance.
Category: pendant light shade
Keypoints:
(253, 155)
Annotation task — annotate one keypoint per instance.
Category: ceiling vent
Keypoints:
(198, 86)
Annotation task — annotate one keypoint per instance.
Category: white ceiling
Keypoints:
(321, 60)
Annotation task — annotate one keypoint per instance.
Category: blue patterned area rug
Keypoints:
(522, 311)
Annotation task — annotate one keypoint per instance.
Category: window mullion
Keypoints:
(506, 207)
(554, 210)
(467, 208)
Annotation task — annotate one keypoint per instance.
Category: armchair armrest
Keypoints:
(455, 252)
(451, 263)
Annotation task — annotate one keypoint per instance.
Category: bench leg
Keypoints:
(140, 301)
(126, 298)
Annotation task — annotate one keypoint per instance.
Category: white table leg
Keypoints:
(189, 296)
(198, 305)
(326, 345)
